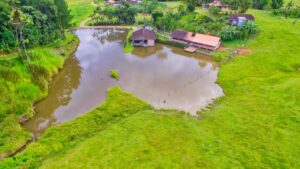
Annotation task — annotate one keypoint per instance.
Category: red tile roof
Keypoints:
(197, 38)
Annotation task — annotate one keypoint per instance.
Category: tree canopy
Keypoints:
(41, 22)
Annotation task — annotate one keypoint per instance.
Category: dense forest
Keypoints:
(32, 22)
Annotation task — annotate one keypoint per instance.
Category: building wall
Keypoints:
(151, 42)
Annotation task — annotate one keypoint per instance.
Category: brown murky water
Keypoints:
(164, 76)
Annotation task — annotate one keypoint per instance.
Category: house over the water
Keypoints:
(143, 37)
(239, 19)
(197, 40)
(218, 4)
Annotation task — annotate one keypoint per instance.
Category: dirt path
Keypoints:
(82, 23)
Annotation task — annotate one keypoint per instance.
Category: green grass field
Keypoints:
(255, 125)
(80, 9)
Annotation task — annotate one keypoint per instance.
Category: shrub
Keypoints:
(215, 10)
(114, 74)
(128, 45)
(164, 40)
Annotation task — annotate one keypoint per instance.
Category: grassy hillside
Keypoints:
(256, 125)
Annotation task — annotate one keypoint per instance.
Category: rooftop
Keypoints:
(143, 33)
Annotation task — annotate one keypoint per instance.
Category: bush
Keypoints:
(128, 45)
(222, 56)
(287, 12)
(215, 10)
(164, 40)
(114, 74)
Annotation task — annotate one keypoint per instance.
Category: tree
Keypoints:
(63, 15)
(276, 4)
(260, 4)
(19, 20)
(167, 22)
(190, 7)
(215, 10)
(240, 5)
(7, 40)
(157, 14)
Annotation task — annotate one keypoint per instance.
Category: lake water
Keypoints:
(164, 76)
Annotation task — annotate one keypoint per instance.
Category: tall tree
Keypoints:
(276, 4)
(63, 15)
(6, 34)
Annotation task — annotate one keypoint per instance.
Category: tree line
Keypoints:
(32, 23)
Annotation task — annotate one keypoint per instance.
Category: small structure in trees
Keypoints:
(143, 37)
(196, 40)
(113, 2)
(239, 19)
(218, 4)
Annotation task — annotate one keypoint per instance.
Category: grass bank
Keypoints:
(255, 125)
(22, 84)
(59, 139)
(128, 45)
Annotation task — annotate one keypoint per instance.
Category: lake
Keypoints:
(164, 76)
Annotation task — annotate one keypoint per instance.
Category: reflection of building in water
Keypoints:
(60, 90)
(146, 52)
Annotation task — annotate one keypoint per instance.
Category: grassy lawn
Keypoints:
(141, 18)
(255, 125)
(172, 5)
(80, 9)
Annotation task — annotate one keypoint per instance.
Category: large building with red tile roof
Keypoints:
(197, 40)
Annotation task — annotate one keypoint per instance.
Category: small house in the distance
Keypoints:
(239, 19)
(143, 37)
(218, 4)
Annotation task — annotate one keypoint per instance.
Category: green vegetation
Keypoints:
(80, 10)
(59, 139)
(28, 23)
(114, 74)
(255, 125)
(289, 10)
(111, 15)
(22, 84)
(128, 45)
(164, 40)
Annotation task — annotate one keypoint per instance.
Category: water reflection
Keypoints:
(164, 76)
(60, 95)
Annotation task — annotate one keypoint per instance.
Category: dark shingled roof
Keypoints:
(143, 34)
(235, 16)
(179, 34)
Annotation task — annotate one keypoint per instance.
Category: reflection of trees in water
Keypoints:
(162, 55)
(109, 35)
(144, 52)
(68, 81)
(60, 90)
(202, 64)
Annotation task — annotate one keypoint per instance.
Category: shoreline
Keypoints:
(22, 119)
